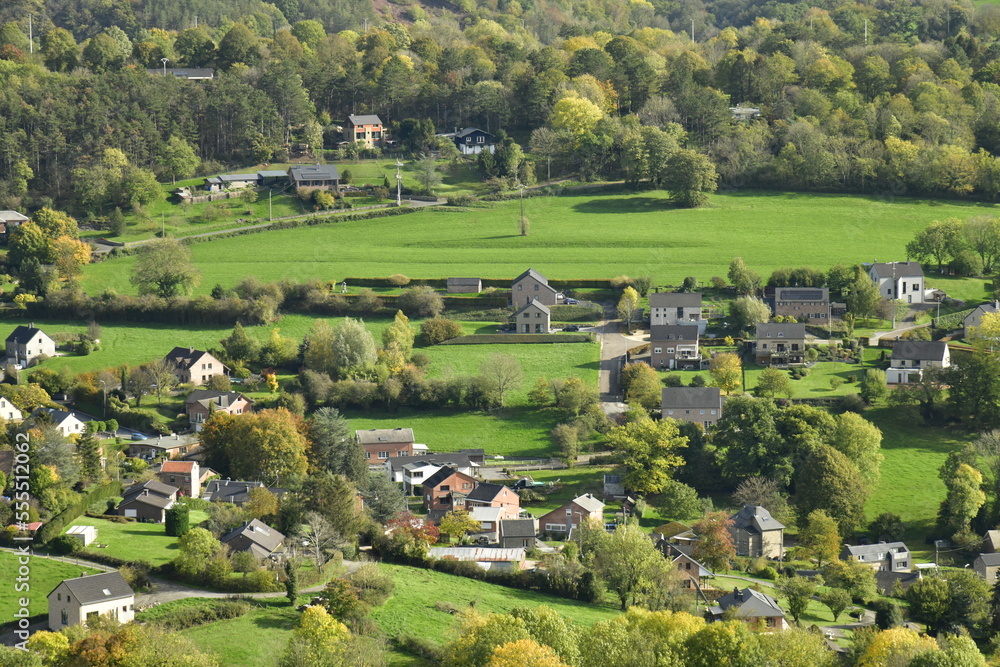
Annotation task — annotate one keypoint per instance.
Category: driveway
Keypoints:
(613, 348)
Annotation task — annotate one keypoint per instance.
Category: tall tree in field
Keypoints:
(240, 347)
(862, 295)
(965, 497)
(939, 241)
(458, 523)
(828, 481)
(427, 174)
(627, 306)
(690, 177)
(164, 268)
(318, 353)
(982, 234)
(726, 371)
(716, 548)
(399, 335)
(626, 560)
(266, 445)
(861, 442)
(162, 377)
(820, 537)
(798, 593)
(974, 388)
(650, 451)
(353, 347)
(748, 311)
(772, 382)
(643, 386)
(502, 373)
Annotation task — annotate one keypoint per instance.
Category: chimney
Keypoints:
(191, 350)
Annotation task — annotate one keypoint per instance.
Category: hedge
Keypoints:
(54, 527)
(493, 339)
(952, 320)
(576, 313)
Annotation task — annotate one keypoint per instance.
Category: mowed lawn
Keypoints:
(575, 237)
(134, 540)
(256, 638)
(45, 575)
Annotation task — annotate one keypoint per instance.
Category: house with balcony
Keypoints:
(780, 344)
(806, 304)
(910, 358)
(383, 443)
(674, 346)
(881, 557)
(677, 308)
(411, 471)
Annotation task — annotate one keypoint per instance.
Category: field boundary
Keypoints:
(502, 339)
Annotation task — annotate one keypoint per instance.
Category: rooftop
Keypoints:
(314, 172)
(675, 300)
(919, 350)
(381, 436)
(685, 398)
(793, 330)
(535, 303)
(98, 587)
(898, 269)
(661, 332)
(370, 119)
(810, 294)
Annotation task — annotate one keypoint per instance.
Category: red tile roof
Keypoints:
(177, 466)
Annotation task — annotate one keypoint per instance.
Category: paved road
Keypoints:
(614, 345)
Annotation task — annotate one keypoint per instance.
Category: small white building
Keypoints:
(67, 423)
(911, 357)
(86, 534)
(899, 280)
(27, 344)
(9, 411)
(77, 601)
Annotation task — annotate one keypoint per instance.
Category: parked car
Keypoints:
(571, 302)
(571, 327)
(139, 436)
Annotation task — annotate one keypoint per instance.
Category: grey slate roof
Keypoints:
(314, 172)
(687, 398)
(381, 436)
(98, 587)
(222, 399)
(469, 130)
(535, 303)
(664, 332)
(485, 492)
(674, 299)
(153, 486)
(809, 294)
(873, 550)
(272, 173)
(442, 474)
(778, 330)
(259, 533)
(23, 335)
(184, 357)
(12, 216)
(897, 270)
(534, 274)
(989, 560)
(756, 518)
(456, 460)
(465, 282)
(517, 528)
(589, 503)
(370, 119)
(236, 492)
(750, 604)
(919, 350)
(144, 498)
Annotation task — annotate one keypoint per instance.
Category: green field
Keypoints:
(256, 638)
(45, 575)
(134, 540)
(575, 237)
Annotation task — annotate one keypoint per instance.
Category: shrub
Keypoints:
(421, 301)
(621, 282)
(967, 263)
(718, 283)
(178, 520)
(642, 284)
(399, 280)
(698, 381)
(852, 403)
(63, 545)
(673, 380)
(690, 284)
(439, 329)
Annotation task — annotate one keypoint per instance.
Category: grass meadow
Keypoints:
(576, 237)
(45, 576)
(256, 638)
(134, 540)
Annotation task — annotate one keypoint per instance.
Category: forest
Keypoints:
(887, 98)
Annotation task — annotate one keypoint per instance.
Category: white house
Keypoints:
(899, 280)
(9, 411)
(77, 601)
(910, 358)
(66, 422)
(26, 344)
(86, 534)
(676, 308)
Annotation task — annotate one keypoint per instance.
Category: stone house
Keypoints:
(464, 285)
(201, 403)
(780, 344)
(987, 566)
(26, 344)
(805, 304)
(516, 533)
(531, 285)
(756, 533)
(309, 177)
(751, 606)
(256, 537)
(532, 318)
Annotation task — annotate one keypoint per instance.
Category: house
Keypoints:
(910, 358)
(28, 344)
(564, 520)
(898, 280)
(699, 405)
(991, 542)
(974, 320)
(189, 73)
(85, 534)
(366, 129)
(495, 495)
(445, 491)
(235, 492)
(80, 600)
(489, 522)
(744, 113)
(674, 346)
(472, 141)
(805, 304)
(886, 581)
(676, 532)
(465, 285)
(148, 501)
(676, 308)
(9, 412)
(9, 220)
(271, 177)
(693, 573)
(614, 486)
(194, 366)
(757, 534)
(383, 443)
(314, 176)
(780, 344)
(164, 447)
(201, 403)
(66, 422)
(881, 557)
(225, 182)
(987, 566)
(751, 606)
(516, 533)
(532, 318)
(488, 558)
(401, 470)
(185, 475)
(531, 285)
(256, 537)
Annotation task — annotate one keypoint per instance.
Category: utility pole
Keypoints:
(399, 184)
(163, 226)
(164, 61)
(866, 32)
(195, 20)
(31, 41)
(270, 217)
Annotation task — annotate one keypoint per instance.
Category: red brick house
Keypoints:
(185, 475)
(446, 490)
(495, 495)
(385, 443)
(566, 519)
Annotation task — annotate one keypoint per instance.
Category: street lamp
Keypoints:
(164, 61)
(399, 184)
(104, 391)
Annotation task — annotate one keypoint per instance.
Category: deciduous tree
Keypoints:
(726, 371)
(502, 373)
(164, 268)
(716, 548)
(649, 450)
(820, 537)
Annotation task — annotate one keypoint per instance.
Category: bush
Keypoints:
(690, 284)
(439, 329)
(718, 283)
(399, 280)
(673, 380)
(178, 520)
(852, 403)
(621, 282)
(698, 381)
(63, 545)
(421, 301)
(967, 263)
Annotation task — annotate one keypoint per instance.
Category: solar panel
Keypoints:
(802, 294)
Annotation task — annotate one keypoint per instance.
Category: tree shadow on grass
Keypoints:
(631, 205)
(273, 622)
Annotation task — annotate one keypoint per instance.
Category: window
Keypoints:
(670, 350)
(172, 479)
(536, 288)
(480, 140)
(537, 315)
(555, 527)
(383, 455)
(520, 287)
(124, 607)
(59, 596)
(65, 617)
(466, 485)
(657, 350)
(468, 140)
(446, 487)
(670, 412)
(712, 412)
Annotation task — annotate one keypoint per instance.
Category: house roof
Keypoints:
(810, 294)
(22, 334)
(221, 399)
(233, 491)
(676, 552)
(919, 350)
(153, 486)
(674, 299)
(485, 492)
(479, 554)
(589, 503)
(873, 549)
(456, 460)
(98, 587)
(370, 119)
(272, 173)
(469, 130)
(178, 466)
(465, 282)
(992, 536)
(6, 461)
(381, 436)
(534, 274)
(661, 332)
(57, 416)
(314, 172)
(535, 304)
(147, 498)
(793, 330)
(185, 357)
(444, 473)
(686, 398)
(989, 560)
(750, 603)
(897, 270)
(485, 513)
(984, 309)
(257, 532)
(12, 216)
(885, 581)
(518, 528)
(756, 518)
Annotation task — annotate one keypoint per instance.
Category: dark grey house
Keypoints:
(313, 176)
(148, 501)
(515, 533)
(256, 537)
(751, 606)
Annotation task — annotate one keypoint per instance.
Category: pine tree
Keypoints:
(291, 583)
(89, 451)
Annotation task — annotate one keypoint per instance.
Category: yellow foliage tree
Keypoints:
(575, 114)
(895, 646)
(726, 371)
(71, 255)
(524, 653)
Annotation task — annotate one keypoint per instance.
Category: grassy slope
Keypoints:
(575, 237)
(136, 541)
(45, 575)
(257, 638)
